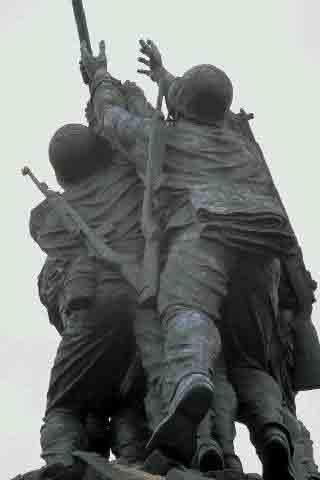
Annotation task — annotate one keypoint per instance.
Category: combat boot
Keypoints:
(276, 455)
(129, 435)
(191, 343)
(209, 454)
(233, 462)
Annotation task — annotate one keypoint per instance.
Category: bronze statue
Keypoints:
(85, 287)
(167, 244)
(221, 202)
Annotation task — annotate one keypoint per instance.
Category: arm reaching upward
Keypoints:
(156, 71)
(128, 132)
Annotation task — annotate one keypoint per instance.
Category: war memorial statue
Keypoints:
(177, 284)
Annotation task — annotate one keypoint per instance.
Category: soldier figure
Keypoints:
(224, 235)
(91, 304)
(219, 203)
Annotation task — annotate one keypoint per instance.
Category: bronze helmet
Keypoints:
(75, 152)
(203, 94)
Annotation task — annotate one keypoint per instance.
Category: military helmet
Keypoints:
(75, 152)
(204, 94)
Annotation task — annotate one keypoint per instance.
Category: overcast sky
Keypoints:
(270, 49)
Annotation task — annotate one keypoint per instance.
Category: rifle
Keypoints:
(74, 223)
(80, 18)
(83, 33)
(150, 226)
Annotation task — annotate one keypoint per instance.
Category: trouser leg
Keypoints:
(217, 432)
(308, 457)
(80, 380)
(294, 428)
(191, 344)
(62, 433)
(129, 434)
(193, 284)
(149, 338)
(224, 409)
(260, 401)
(304, 462)
(261, 410)
(97, 429)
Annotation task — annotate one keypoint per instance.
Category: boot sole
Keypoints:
(211, 461)
(196, 403)
(278, 462)
(184, 420)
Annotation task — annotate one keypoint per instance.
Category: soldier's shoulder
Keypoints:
(38, 216)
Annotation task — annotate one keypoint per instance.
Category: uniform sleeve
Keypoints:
(50, 284)
(127, 132)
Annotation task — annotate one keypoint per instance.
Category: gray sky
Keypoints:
(271, 52)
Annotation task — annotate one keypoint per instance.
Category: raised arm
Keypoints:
(128, 132)
(153, 60)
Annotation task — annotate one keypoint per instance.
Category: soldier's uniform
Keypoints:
(92, 305)
(218, 202)
(250, 339)
(298, 369)
(259, 343)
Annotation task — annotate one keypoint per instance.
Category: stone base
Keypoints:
(100, 469)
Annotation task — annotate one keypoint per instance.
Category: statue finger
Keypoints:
(82, 67)
(145, 48)
(152, 45)
(144, 60)
(145, 52)
(143, 44)
(84, 51)
(102, 49)
(144, 72)
(84, 73)
(155, 50)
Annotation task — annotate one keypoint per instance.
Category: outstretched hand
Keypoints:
(153, 60)
(91, 65)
